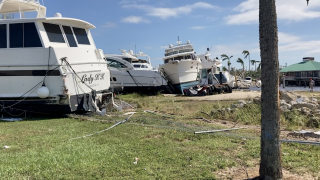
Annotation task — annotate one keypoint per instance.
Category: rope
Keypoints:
(121, 122)
(67, 63)
(135, 81)
(32, 90)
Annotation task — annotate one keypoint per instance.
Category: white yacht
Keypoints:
(212, 67)
(49, 64)
(134, 73)
(181, 67)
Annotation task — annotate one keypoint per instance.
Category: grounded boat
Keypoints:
(49, 64)
(181, 67)
(211, 67)
(134, 73)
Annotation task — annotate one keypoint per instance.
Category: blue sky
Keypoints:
(228, 26)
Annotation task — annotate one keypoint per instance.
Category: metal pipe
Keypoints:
(220, 130)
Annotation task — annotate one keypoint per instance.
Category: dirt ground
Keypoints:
(236, 95)
(237, 173)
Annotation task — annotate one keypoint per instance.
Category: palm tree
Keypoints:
(254, 62)
(246, 54)
(270, 162)
(225, 57)
(224, 68)
(242, 63)
(259, 67)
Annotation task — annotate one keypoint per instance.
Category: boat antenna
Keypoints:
(135, 49)
(42, 3)
(179, 40)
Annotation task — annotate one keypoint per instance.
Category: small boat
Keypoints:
(181, 67)
(49, 64)
(134, 73)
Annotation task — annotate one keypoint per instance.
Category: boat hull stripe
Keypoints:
(29, 73)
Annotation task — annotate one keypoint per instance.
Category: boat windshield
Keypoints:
(248, 78)
(115, 64)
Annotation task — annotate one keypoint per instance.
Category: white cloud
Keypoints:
(310, 46)
(110, 25)
(135, 20)
(288, 42)
(164, 47)
(198, 27)
(165, 13)
(132, 1)
(287, 38)
(295, 10)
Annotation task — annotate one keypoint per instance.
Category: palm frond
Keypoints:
(246, 53)
(224, 57)
(253, 61)
(224, 68)
(259, 67)
(240, 61)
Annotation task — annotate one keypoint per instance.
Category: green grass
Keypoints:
(166, 148)
(43, 150)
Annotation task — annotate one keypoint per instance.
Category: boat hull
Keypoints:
(182, 74)
(187, 85)
(24, 71)
(130, 81)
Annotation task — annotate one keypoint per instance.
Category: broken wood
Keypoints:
(204, 119)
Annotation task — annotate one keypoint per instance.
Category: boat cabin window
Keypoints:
(115, 64)
(54, 33)
(81, 36)
(69, 34)
(204, 74)
(144, 66)
(3, 36)
(24, 35)
(128, 59)
(136, 65)
(167, 60)
(179, 58)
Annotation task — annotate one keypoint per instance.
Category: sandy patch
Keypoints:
(236, 95)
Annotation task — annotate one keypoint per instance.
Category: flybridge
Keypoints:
(10, 9)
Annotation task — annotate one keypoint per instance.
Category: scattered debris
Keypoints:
(220, 130)
(304, 134)
(11, 119)
(136, 162)
(129, 113)
(151, 112)
(205, 120)
(121, 122)
(205, 113)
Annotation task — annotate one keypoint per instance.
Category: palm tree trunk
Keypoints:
(270, 165)
(255, 66)
(249, 67)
